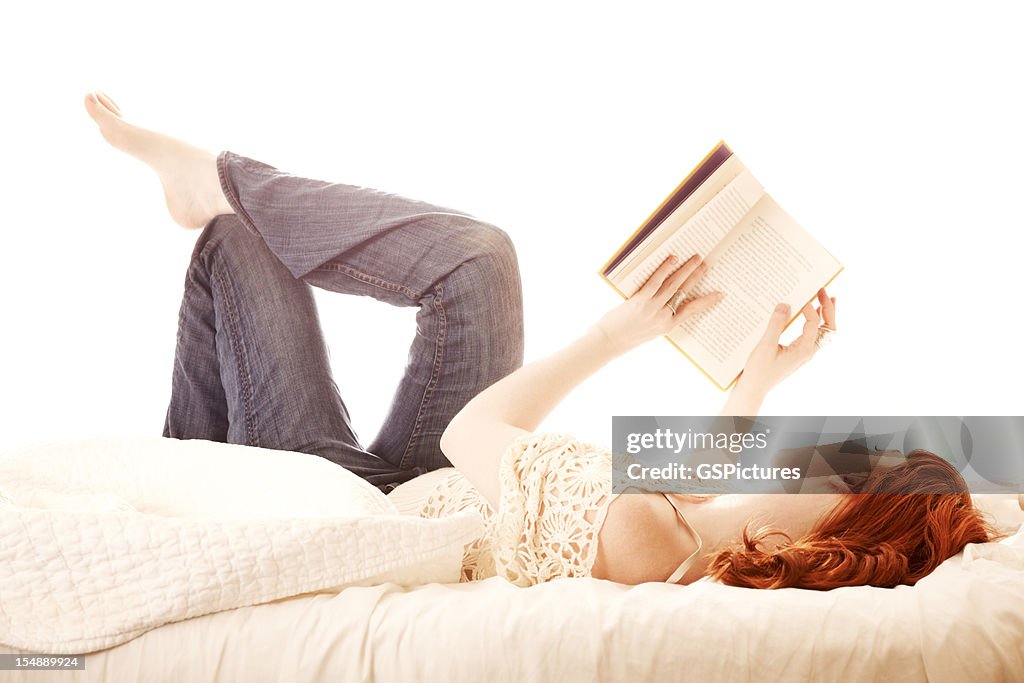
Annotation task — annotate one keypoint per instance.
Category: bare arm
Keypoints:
(477, 436)
(516, 405)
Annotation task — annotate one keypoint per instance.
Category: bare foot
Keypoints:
(188, 174)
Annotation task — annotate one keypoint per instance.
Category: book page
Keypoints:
(700, 234)
(766, 260)
(722, 176)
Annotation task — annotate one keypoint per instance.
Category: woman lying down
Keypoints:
(251, 367)
(557, 516)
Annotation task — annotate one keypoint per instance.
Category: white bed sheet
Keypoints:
(964, 622)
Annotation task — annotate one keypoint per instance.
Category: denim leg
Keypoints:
(251, 366)
(460, 272)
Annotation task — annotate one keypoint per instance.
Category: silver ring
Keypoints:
(825, 335)
(671, 307)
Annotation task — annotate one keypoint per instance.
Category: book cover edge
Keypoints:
(668, 197)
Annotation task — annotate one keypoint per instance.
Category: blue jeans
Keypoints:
(250, 364)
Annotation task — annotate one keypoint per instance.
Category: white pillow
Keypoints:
(194, 477)
(108, 538)
(1004, 510)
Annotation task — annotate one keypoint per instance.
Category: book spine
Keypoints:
(704, 169)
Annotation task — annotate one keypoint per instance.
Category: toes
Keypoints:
(109, 103)
(101, 108)
(114, 129)
(93, 106)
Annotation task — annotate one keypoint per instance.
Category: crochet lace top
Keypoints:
(555, 493)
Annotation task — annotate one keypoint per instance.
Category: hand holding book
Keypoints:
(649, 314)
(755, 252)
(770, 362)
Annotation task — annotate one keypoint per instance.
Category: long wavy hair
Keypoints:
(898, 526)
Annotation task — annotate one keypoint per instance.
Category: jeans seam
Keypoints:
(241, 362)
(229, 194)
(369, 279)
(428, 392)
(442, 319)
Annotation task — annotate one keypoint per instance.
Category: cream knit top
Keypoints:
(555, 493)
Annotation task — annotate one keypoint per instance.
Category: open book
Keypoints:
(756, 254)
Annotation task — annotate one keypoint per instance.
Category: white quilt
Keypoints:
(104, 539)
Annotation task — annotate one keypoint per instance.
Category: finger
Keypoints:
(654, 282)
(695, 276)
(697, 306)
(776, 324)
(675, 281)
(809, 334)
(811, 319)
(828, 309)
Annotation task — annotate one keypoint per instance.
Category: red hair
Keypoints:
(900, 524)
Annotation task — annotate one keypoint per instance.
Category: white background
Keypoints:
(891, 131)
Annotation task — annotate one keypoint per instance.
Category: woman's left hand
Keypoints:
(647, 314)
(770, 362)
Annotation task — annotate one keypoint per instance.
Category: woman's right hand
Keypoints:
(647, 314)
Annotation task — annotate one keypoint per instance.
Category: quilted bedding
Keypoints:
(105, 539)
